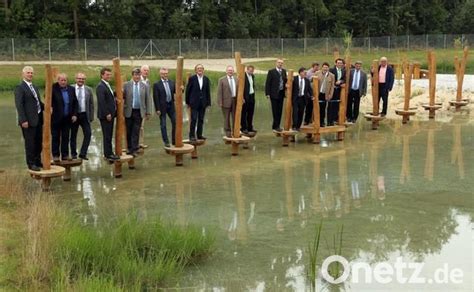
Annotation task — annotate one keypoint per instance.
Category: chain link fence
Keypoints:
(143, 49)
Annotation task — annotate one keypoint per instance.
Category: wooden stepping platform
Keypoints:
(405, 114)
(178, 152)
(45, 175)
(67, 164)
(462, 102)
(315, 133)
(196, 144)
(236, 142)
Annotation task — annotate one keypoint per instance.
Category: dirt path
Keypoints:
(210, 64)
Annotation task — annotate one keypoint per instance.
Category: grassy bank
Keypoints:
(445, 60)
(49, 248)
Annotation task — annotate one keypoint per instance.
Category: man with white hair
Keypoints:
(163, 96)
(227, 98)
(145, 72)
(30, 118)
(386, 79)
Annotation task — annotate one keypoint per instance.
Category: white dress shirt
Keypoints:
(81, 98)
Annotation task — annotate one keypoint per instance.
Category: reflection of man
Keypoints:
(226, 98)
(301, 92)
(357, 88)
(163, 95)
(64, 115)
(30, 118)
(106, 112)
(198, 98)
(386, 79)
(326, 90)
(275, 90)
(248, 107)
(136, 107)
(85, 116)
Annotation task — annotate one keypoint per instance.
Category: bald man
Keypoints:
(29, 109)
(64, 113)
(85, 116)
(386, 80)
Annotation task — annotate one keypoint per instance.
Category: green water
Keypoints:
(402, 191)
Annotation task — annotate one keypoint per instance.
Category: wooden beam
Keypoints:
(240, 95)
(48, 91)
(120, 122)
(178, 102)
(289, 103)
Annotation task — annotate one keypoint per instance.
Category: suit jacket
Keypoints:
(389, 77)
(26, 105)
(362, 82)
(247, 96)
(145, 106)
(330, 80)
(272, 83)
(333, 70)
(159, 95)
(224, 92)
(308, 90)
(106, 104)
(89, 96)
(194, 93)
(57, 103)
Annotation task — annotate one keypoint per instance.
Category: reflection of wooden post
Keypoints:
(430, 155)
(240, 199)
(432, 106)
(289, 191)
(406, 112)
(373, 170)
(288, 108)
(456, 153)
(316, 190)
(343, 181)
(178, 102)
(316, 116)
(405, 172)
(180, 148)
(460, 67)
(120, 123)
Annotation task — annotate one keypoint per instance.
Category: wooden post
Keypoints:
(398, 71)
(416, 70)
(407, 74)
(120, 122)
(432, 81)
(460, 70)
(48, 91)
(188, 109)
(288, 107)
(316, 116)
(375, 94)
(240, 96)
(178, 103)
(344, 96)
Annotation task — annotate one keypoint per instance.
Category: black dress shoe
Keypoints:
(83, 157)
(167, 144)
(34, 168)
(193, 139)
(202, 138)
(74, 157)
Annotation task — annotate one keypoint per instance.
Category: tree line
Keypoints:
(170, 19)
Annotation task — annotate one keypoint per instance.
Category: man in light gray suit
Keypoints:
(137, 106)
(358, 88)
(145, 72)
(227, 98)
(85, 116)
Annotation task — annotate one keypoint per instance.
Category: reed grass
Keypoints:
(313, 250)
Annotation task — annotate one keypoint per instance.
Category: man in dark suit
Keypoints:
(163, 96)
(248, 108)
(106, 112)
(30, 118)
(85, 116)
(136, 108)
(275, 90)
(357, 88)
(339, 73)
(64, 114)
(301, 92)
(308, 112)
(386, 80)
(198, 98)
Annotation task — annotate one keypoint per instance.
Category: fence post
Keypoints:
(151, 49)
(232, 48)
(462, 40)
(85, 50)
(282, 48)
(369, 44)
(408, 42)
(304, 48)
(207, 49)
(445, 41)
(13, 49)
(258, 48)
(389, 43)
(49, 49)
(327, 46)
(179, 47)
(118, 48)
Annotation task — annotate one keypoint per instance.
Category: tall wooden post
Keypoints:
(240, 95)
(432, 106)
(316, 116)
(120, 122)
(460, 67)
(343, 98)
(288, 110)
(48, 91)
(406, 112)
(374, 115)
(178, 103)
